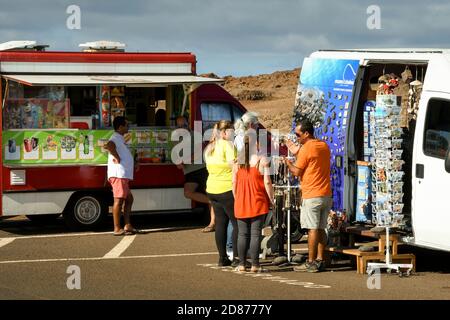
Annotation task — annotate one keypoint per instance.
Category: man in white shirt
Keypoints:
(120, 172)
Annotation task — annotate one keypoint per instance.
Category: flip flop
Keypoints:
(121, 232)
(208, 229)
(240, 269)
(133, 231)
(257, 270)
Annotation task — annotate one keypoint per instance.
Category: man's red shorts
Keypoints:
(120, 187)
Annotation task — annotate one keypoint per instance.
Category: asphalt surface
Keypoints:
(176, 261)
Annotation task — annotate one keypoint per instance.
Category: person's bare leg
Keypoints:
(322, 244)
(127, 212)
(117, 208)
(191, 193)
(212, 221)
(313, 241)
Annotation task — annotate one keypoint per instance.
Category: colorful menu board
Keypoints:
(46, 147)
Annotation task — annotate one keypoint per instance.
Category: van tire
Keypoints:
(43, 218)
(85, 211)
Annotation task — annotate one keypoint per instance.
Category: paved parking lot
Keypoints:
(174, 260)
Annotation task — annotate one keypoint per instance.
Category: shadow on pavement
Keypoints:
(22, 226)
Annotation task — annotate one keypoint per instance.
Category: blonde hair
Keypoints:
(217, 128)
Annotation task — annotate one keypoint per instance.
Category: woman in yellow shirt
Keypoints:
(220, 155)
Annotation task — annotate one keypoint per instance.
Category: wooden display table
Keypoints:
(363, 257)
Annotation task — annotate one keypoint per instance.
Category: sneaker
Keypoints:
(320, 265)
(224, 262)
(307, 267)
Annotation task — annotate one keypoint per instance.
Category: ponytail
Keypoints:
(245, 163)
(212, 141)
(246, 152)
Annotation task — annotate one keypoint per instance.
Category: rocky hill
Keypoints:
(271, 95)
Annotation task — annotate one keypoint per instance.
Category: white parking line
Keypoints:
(5, 241)
(268, 276)
(120, 247)
(111, 258)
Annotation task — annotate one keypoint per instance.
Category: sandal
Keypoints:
(132, 231)
(240, 269)
(121, 232)
(257, 270)
(208, 229)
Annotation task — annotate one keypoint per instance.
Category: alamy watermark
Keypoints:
(374, 279)
(74, 280)
(74, 19)
(189, 144)
(374, 19)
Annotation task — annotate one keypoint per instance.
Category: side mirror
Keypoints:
(447, 160)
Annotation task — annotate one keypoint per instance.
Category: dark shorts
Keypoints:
(199, 177)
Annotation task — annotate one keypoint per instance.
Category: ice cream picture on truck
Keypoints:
(385, 114)
(57, 112)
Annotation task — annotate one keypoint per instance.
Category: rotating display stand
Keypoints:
(399, 267)
(387, 194)
(287, 199)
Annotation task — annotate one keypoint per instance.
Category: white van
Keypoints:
(338, 91)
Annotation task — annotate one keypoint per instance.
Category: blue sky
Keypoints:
(230, 37)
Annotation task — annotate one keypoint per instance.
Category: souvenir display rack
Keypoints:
(387, 184)
(287, 199)
(387, 173)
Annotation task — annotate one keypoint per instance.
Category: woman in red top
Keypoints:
(253, 193)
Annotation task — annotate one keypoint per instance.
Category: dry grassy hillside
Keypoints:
(271, 95)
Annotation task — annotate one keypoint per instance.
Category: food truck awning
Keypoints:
(122, 80)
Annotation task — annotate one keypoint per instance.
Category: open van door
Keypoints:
(325, 95)
(1, 150)
(431, 180)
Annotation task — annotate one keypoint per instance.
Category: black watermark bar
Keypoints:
(223, 309)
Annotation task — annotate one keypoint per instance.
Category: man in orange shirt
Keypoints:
(313, 168)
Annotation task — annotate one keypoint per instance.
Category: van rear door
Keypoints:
(431, 182)
(324, 96)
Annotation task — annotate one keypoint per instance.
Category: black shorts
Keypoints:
(199, 177)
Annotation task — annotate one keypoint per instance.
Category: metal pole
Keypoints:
(289, 228)
(288, 202)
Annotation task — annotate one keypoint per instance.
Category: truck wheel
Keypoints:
(43, 218)
(85, 212)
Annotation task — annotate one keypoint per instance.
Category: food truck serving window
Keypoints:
(82, 107)
(35, 107)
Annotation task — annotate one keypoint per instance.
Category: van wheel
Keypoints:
(85, 212)
(43, 218)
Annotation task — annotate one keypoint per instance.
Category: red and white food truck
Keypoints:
(57, 111)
